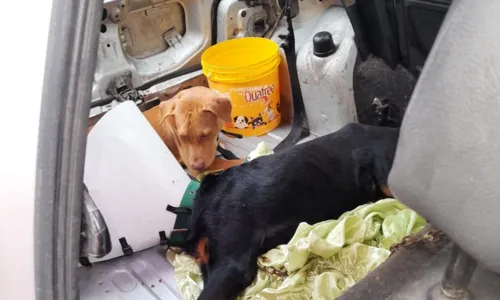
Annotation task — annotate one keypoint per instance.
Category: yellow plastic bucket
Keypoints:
(246, 70)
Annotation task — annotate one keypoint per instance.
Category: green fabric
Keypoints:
(261, 150)
(322, 260)
(182, 220)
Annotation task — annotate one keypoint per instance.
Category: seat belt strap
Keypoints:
(183, 212)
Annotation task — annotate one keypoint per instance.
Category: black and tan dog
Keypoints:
(252, 208)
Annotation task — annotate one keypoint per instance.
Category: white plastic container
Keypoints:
(327, 81)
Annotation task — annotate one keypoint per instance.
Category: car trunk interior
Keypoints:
(150, 50)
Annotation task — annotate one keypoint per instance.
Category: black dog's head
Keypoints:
(227, 282)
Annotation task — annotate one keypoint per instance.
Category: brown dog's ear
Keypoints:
(221, 107)
(168, 107)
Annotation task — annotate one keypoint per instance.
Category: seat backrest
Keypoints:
(447, 165)
(132, 177)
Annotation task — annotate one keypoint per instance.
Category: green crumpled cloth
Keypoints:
(262, 149)
(321, 261)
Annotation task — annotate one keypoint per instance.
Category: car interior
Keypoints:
(436, 59)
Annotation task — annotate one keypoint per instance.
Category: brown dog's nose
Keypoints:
(197, 165)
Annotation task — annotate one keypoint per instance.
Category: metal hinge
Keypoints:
(122, 89)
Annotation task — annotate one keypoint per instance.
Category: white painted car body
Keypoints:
(19, 135)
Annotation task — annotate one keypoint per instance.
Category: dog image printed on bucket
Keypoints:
(258, 113)
(246, 71)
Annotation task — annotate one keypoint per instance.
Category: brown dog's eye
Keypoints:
(204, 135)
(183, 136)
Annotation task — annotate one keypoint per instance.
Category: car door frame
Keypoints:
(69, 69)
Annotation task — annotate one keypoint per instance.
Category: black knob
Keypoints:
(323, 45)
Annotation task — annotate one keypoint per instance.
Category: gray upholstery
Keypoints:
(447, 165)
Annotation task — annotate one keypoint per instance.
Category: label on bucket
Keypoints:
(255, 109)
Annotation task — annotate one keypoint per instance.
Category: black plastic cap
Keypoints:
(323, 45)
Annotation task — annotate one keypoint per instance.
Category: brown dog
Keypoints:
(189, 124)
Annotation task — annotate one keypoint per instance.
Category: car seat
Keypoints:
(447, 164)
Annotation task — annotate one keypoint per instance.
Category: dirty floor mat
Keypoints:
(374, 79)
